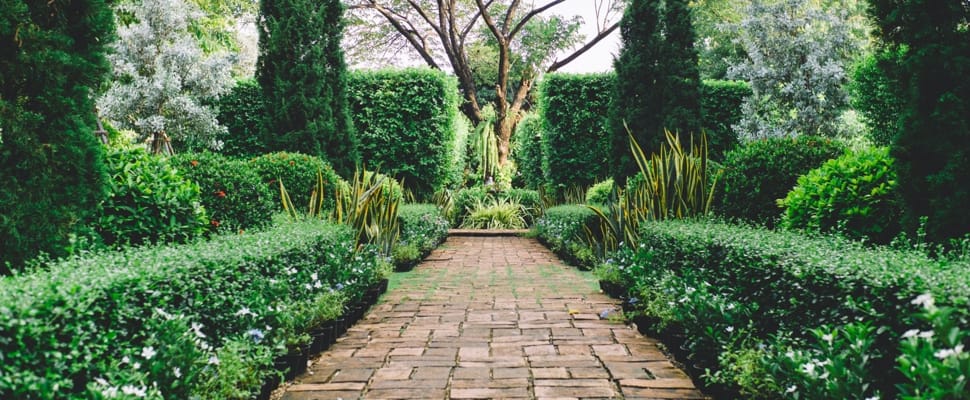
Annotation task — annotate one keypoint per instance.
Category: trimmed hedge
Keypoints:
(561, 227)
(576, 139)
(733, 289)
(527, 152)
(233, 195)
(240, 111)
(149, 315)
(720, 110)
(423, 227)
(760, 172)
(406, 122)
(299, 175)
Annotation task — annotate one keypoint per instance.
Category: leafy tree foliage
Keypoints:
(657, 85)
(797, 55)
(932, 148)
(878, 95)
(302, 73)
(163, 79)
(51, 172)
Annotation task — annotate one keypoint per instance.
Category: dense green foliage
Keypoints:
(854, 194)
(734, 289)
(575, 136)
(240, 111)
(423, 227)
(599, 194)
(932, 148)
(760, 172)
(299, 175)
(51, 173)
(562, 229)
(878, 96)
(680, 88)
(527, 151)
(721, 109)
(467, 199)
(301, 71)
(233, 194)
(160, 314)
(405, 123)
(150, 201)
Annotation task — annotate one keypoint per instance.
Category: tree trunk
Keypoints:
(503, 135)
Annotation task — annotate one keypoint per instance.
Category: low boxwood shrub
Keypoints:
(423, 227)
(149, 201)
(760, 172)
(599, 194)
(299, 175)
(234, 196)
(743, 294)
(854, 194)
(562, 228)
(164, 319)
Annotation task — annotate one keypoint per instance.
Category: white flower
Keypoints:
(177, 372)
(729, 329)
(314, 276)
(828, 337)
(317, 284)
(925, 300)
(791, 389)
(245, 311)
(910, 333)
(136, 365)
(946, 353)
(926, 334)
(872, 398)
(213, 360)
(162, 312)
(134, 391)
(125, 360)
(148, 352)
(110, 392)
(101, 381)
(809, 368)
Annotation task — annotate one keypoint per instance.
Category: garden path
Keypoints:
(492, 317)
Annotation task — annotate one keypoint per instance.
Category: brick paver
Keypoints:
(492, 317)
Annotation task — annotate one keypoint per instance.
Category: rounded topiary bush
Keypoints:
(599, 194)
(299, 175)
(853, 194)
(760, 172)
(233, 194)
(149, 201)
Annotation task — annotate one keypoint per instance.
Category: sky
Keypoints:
(600, 57)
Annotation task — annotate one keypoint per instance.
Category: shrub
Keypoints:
(423, 227)
(720, 111)
(233, 195)
(468, 198)
(760, 172)
(576, 141)
(562, 228)
(733, 288)
(51, 172)
(299, 175)
(240, 111)
(170, 308)
(501, 213)
(877, 96)
(405, 122)
(527, 151)
(853, 194)
(599, 194)
(150, 201)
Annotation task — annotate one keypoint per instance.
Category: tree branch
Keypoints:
(559, 64)
(532, 14)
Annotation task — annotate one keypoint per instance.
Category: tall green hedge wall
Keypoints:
(240, 112)
(405, 121)
(576, 136)
(574, 111)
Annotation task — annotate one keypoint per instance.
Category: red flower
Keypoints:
(195, 163)
(214, 223)
(220, 194)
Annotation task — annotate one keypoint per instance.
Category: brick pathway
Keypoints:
(492, 317)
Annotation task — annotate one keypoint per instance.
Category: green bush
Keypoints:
(500, 213)
(527, 151)
(135, 316)
(51, 173)
(240, 111)
(233, 195)
(734, 288)
(405, 122)
(468, 198)
(576, 141)
(760, 172)
(877, 96)
(599, 194)
(562, 228)
(150, 201)
(299, 175)
(720, 110)
(422, 225)
(854, 194)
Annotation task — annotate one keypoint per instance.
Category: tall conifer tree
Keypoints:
(302, 73)
(51, 171)
(681, 78)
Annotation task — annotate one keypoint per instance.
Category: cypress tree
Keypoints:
(51, 170)
(657, 80)
(302, 73)
(637, 99)
(932, 148)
